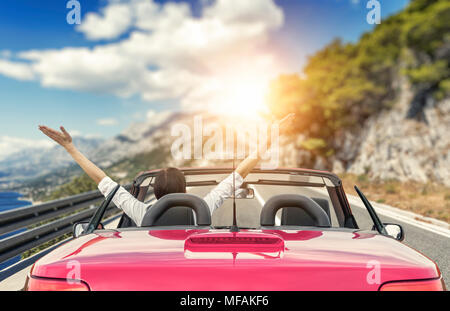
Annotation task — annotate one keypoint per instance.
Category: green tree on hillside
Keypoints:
(344, 83)
(78, 185)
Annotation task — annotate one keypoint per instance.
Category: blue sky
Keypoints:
(41, 25)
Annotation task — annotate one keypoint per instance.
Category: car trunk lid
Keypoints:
(245, 260)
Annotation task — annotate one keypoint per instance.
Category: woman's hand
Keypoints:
(245, 167)
(63, 138)
(285, 123)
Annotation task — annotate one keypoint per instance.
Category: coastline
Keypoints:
(10, 200)
(26, 199)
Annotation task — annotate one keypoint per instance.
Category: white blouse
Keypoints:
(136, 209)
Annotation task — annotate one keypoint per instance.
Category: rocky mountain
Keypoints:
(390, 145)
(139, 137)
(379, 106)
(395, 146)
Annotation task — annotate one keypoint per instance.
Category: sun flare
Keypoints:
(242, 97)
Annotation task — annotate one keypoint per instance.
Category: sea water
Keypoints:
(10, 201)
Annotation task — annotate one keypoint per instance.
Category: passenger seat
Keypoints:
(293, 216)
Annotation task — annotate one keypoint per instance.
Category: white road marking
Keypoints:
(15, 282)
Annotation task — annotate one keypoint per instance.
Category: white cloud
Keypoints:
(107, 122)
(115, 19)
(248, 12)
(16, 70)
(169, 53)
(10, 145)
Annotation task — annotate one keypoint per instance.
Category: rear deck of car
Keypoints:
(263, 259)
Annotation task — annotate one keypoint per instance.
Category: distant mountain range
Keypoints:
(36, 171)
(31, 163)
(137, 138)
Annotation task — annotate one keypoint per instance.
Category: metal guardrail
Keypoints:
(45, 222)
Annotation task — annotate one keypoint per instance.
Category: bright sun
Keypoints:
(246, 99)
(240, 88)
(242, 97)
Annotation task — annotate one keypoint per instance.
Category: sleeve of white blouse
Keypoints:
(131, 206)
(223, 191)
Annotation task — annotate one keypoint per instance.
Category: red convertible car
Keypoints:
(304, 237)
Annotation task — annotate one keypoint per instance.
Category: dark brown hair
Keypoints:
(169, 180)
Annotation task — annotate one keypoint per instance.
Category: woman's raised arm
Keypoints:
(65, 140)
(250, 162)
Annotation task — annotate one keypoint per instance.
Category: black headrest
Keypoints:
(175, 200)
(176, 216)
(292, 216)
(271, 207)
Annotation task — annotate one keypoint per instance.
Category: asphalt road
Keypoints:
(432, 245)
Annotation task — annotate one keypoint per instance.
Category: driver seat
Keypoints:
(176, 216)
